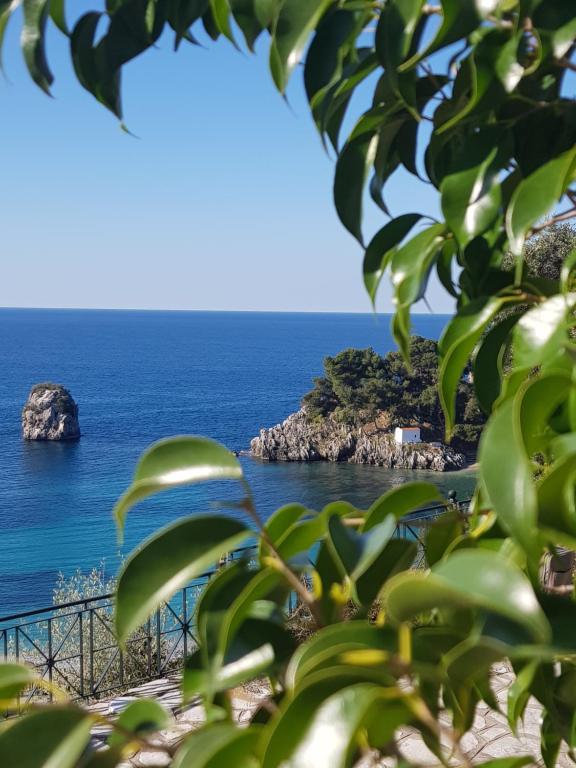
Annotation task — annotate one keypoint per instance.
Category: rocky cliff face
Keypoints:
(50, 413)
(299, 439)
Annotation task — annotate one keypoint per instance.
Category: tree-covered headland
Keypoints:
(360, 385)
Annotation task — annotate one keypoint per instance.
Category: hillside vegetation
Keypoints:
(359, 385)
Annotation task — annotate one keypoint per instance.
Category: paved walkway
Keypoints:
(489, 738)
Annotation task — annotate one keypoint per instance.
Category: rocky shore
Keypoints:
(50, 413)
(299, 438)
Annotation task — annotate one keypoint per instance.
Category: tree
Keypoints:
(482, 88)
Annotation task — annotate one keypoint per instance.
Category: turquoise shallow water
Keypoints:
(140, 376)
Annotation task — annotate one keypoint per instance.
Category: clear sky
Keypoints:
(223, 202)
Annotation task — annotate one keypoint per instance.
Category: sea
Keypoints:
(139, 376)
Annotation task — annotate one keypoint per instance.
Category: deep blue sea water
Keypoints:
(141, 376)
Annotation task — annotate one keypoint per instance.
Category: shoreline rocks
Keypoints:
(50, 413)
(300, 439)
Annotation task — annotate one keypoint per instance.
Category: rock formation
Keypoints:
(50, 413)
(299, 438)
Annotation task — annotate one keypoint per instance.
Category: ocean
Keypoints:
(137, 377)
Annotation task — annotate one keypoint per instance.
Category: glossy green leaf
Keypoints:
(488, 362)
(401, 500)
(296, 21)
(351, 173)
(542, 331)
(457, 344)
(245, 16)
(321, 730)
(535, 195)
(506, 473)
(56, 736)
(471, 193)
(459, 19)
(250, 665)
(444, 530)
(325, 57)
(167, 562)
(219, 745)
(141, 718)
(469, 579)
(280, 523)
(331, 642)
(357, 552)
(177, 461)
(14, 678)
(410, 267)
(221, 14)
(381, 248)
(58, 15)
(540, 399)
(33, 42)
(519, 693)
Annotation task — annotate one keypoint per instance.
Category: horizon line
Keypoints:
(221, 311)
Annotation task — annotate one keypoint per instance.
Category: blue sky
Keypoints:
(223, 202)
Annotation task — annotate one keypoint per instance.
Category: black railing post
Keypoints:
(185, 623)
(50, 660)
(158, 641)
(91, 650)
(81, 649)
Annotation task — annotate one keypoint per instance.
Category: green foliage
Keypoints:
(474, 99)
(360, 385)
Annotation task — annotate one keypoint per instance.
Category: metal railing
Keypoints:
(72, 645)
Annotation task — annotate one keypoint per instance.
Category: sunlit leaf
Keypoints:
(177, 461)
(473, 579)
(167, 562)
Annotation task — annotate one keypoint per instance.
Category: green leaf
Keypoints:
(468, 579)
(221, 15)
(471, 191)
(33, 42)
(535, 195)
(401, 500)
(168, 561)
(219, 745)
(488, 370)
(177, 461)
(410, 268)
(506, 474)
(279, 524)
(381, 249)
(14, 678)
(246, 18)
(321, 729)
(542, 331)
(296, 21)
(444, 530)
(519, 693)
(56, 736)
(325, 57)
(459, 19)
(141, 718)
(330, 642)
(456, 345)
(197, 680)
(58, 15)
(352, 168)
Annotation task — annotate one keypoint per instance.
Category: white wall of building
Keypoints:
(407, 435)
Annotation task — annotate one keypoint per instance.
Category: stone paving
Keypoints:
(489, 738)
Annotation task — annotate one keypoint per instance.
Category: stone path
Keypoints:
(489, 738)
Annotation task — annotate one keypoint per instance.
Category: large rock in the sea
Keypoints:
(300, 438)
(50, 413)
